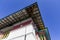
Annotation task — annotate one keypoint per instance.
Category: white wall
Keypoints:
(19, 34)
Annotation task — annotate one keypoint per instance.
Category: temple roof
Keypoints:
(31, 11)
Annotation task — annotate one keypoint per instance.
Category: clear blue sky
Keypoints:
(50, 11)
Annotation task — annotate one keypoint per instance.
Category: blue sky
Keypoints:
(50, 11)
